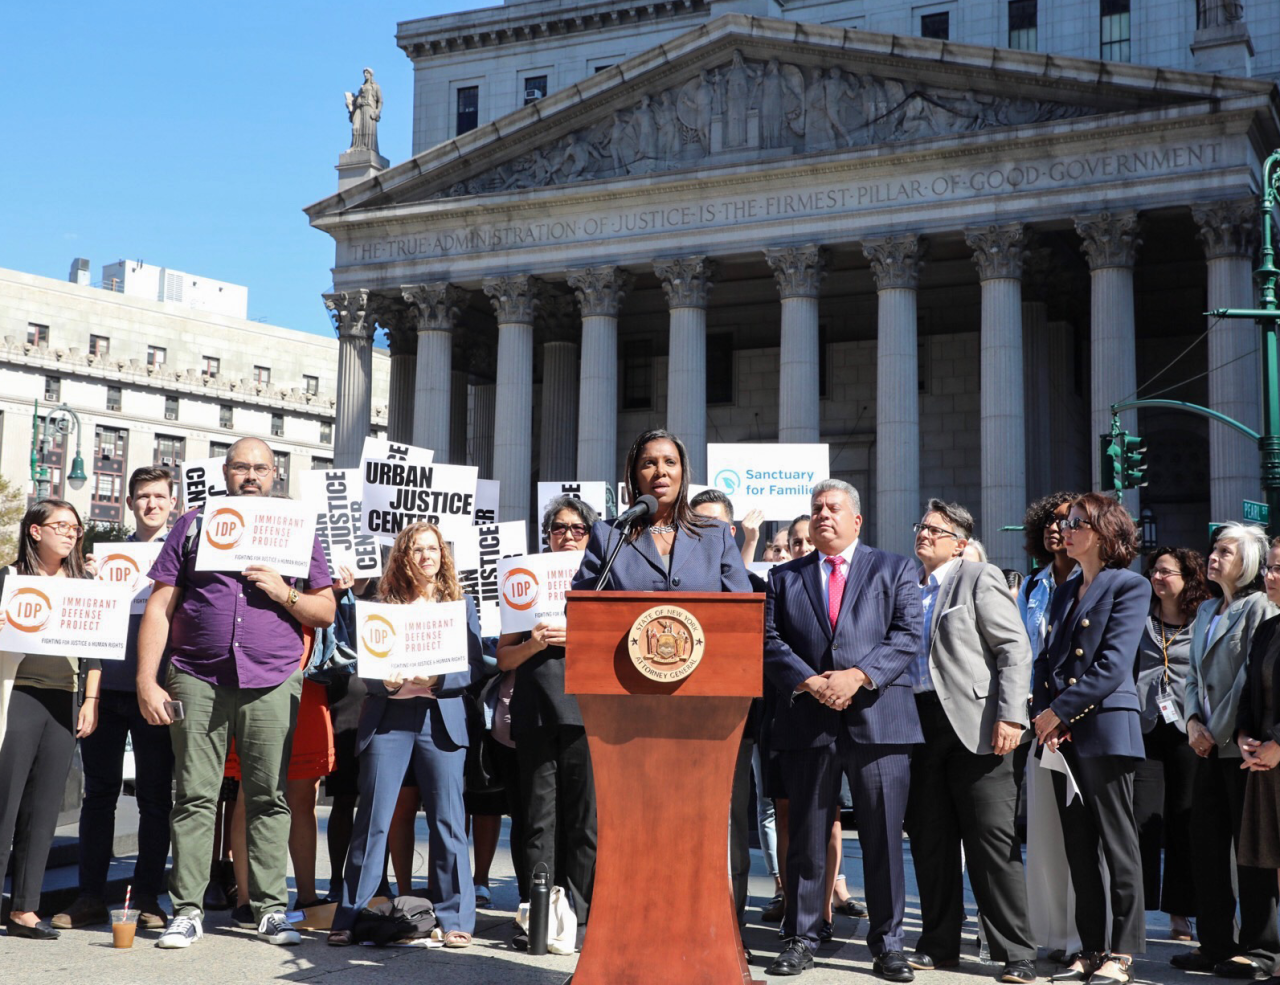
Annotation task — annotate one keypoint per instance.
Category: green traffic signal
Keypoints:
(1133, 470)
(1111, 471)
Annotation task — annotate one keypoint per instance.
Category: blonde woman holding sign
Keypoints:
(44, 717)
(420, 722)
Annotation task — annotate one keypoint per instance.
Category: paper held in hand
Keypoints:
(776, 479)
(238, 531)
(334, 494)
(420, 640)
(126, 564)
(202, 480)
(532, 588)
(397, 494)
(64, 617)
(476, 556)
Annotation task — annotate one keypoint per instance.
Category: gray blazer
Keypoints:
(979, 654)
(1218, 664)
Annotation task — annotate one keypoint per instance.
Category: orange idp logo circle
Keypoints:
(224, 529)
(378, 636)
(119, 569)
(29, 610)
(520, 588)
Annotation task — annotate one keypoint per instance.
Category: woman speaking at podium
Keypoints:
(673, 549)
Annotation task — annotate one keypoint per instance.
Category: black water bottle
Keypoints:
(539, 908)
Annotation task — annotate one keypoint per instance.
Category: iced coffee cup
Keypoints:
(124, 924)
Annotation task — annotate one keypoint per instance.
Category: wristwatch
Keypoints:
(292, 599)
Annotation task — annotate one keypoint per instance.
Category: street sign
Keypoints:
(1256, 512)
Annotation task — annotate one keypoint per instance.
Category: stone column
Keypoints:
(435, 309)
(799, 271)
(485, 408)
(558, 442)
(1036, 367)
(515, 299)
(997, 253)
(354, 411)
(896, 262)
(601, 292)
(687, 282)
(1229, 233)
(404, 360)
(1111, 241)
(458, 417)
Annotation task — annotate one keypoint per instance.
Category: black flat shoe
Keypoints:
(794, 959)
(40, 932)
(850, 908)
(1019, 972)
(826, 932)
(892, 966)
(1195, 960)
(1126, 968)
(920, 961)
(1241, 968)
(1090, 963)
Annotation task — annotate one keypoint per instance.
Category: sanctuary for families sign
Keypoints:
(126, 565)
(334, 495)
(65, 617)
(775, 479)
(410, 640)
(397, 494)
(532, 588)
(243, 530)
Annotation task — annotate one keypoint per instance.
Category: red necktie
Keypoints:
(835, 588)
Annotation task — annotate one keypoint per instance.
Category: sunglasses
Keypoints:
(565, 529)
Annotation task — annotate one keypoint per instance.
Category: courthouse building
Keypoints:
(941, 237)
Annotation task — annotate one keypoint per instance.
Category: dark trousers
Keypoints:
(1162, 804)
(102, 755)
(35, 756)
(1215, 827)
(961, 797)
(879, 778)
(1102, 817)
(507, 766)
(740, 822)
(560, 808)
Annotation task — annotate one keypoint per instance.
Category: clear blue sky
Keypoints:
(191, 135)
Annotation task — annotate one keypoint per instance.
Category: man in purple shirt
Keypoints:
(234, 642)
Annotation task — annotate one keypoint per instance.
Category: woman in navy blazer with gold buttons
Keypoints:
(1085, 705)
(675, 549)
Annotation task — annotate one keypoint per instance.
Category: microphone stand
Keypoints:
(613, 556)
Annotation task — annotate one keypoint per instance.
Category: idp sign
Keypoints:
(520, 588)
(224, 528)
(378, 636)
(29, 610)
(119, 569)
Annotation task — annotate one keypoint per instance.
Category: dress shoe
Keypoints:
(1195, 960)
(892, 966)
(794, 959)
(86, 911)
(1019, 972)
(774, 909)
(150, 915)
(1089, 963)
(850, 907)
(826, 932)
(1242, 967)
(40, 932)
(921, 961)
(1126, 972)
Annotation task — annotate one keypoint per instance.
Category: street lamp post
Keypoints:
(63, 420)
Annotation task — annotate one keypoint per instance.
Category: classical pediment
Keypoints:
(743, 90)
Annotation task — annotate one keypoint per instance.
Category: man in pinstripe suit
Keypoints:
(841, 628)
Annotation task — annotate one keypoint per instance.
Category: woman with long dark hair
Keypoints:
(1162, 786)
(420, 722)
(53, 702)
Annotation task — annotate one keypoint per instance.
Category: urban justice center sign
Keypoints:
(400, 493)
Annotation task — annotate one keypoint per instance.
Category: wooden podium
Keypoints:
(663, 756)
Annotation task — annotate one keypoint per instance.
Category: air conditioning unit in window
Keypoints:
(166, 460)
(283, 475)
(531, 94)
(107, 453)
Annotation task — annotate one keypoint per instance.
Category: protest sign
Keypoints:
(395, 451)
(476, 555)
(598, 495)
(236, 533)
(775, 479)
(126, 565)
(410, 640)
(65, 617)
(202, 479)
(531, 588)
(397, 494)
(486, 501)
(334, 495)
(762, 568)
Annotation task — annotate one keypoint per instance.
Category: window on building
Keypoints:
(53, 389)
(326, 433)
(262, 374)
(107, 490)
(115, 396)
(936, 25)
(720, 368)
(467, 114)
(1115, 30)
(219, 449)
(601, 68)
(535, 87)
(212, 366)
(637, 374)
(226, 416)
(277, 425)
(282, 466)
(170, 408)
(155, 355)
(170, 450)
(108, 442)
(320, 464)
(37, 334)
(99, 345)
(1022, 24)
(312, 385)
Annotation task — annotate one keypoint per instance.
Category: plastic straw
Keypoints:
(128, 890)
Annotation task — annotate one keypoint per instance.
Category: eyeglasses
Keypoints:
(421, 552)
(1271, 569)
(1167, 573)
(244, 468)
(64, 527)
(564, 529)
(932, 531)
(1055, 521)
(1075, 523)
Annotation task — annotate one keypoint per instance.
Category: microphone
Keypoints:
(642, 508)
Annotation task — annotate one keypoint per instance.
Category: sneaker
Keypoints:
(242, 916)
(150, 914)
(275, 929)
(183, 931)
(84, 912)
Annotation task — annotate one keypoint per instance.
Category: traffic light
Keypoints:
(1133, 471)
(1111, 471)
